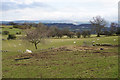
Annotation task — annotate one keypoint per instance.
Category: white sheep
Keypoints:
(98, 39)
(28, 51)
(114, 39)
(19, 44)
(74, 42)
(14, 45)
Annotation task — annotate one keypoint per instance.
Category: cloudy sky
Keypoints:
(75, 10)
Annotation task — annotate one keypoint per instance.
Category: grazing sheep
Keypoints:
(98, 39)
(14, 45)
(93, 41)
(28, 51)
(74, 42)
(114, 39)
(19, 44)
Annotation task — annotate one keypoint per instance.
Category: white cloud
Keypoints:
(78, 10)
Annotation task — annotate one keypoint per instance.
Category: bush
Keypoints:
(5, 32)
(11, 28)
(11, 36)
(18, 33)
(16, 26)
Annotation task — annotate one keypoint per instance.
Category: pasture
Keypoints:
(60, 58)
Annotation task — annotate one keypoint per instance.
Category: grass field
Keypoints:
(61, 58)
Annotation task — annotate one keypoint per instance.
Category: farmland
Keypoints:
(60, 57)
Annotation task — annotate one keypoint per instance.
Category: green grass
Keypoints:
(49, 63)
(10, 44)
(12, 31)
(6, 26)
(63, 65)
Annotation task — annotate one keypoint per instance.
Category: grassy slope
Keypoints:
(65, 64)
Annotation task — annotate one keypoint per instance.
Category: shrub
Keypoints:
(18, 33)
(5, 32)
(11, 28)
(11, 36)
(16, 26)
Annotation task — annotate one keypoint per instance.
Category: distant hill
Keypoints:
(44, 21)
(71, 25)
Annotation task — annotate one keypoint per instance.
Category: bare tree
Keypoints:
(113, 27)
(98, 23)
(53, 31)
(65, 31)
(59, 33)
(36, 36)
(84, 34)
(70, 34)
(78, 34)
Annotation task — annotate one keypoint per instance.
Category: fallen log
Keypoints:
(22, 58)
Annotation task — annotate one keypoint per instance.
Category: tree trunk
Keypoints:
(35, 46)
(98, 34)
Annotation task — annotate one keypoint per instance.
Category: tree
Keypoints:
(52, 31)
(78, 34)
(88, 33)
(113, 28)
(84, 34)
(118, 31)
(70, 34)
(59, 33)
(65, 31)
(107, 33)
(98, 23)
(37, 35)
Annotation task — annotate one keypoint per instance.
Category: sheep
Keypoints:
(74, 42)
(28, 51)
